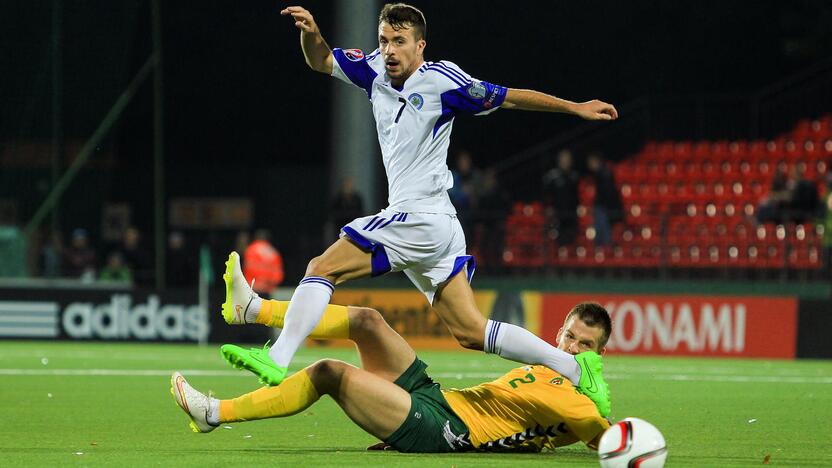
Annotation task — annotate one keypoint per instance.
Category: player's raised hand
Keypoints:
(303, 19)
(596, 110)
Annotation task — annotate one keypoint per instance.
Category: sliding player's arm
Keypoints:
(315, 49)
(526, 99)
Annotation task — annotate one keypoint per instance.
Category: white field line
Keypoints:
(763, 370)
(438, 375)
(715, 367)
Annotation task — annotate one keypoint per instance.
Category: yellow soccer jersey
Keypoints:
(529, 408)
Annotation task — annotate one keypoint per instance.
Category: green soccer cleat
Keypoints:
(592, 382)
(238, 293)
(256, 360)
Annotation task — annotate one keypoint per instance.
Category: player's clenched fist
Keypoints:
(596, 110)
(303, 19)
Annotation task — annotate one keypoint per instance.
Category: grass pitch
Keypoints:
(66, 404)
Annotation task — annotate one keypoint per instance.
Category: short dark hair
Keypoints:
(594, 315)
(402, 15)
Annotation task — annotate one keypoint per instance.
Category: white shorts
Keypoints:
(428, 247)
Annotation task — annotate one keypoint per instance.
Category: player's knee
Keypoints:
(320, 267)
(326, 374)
(469, 339)
(313, 267)
(365, 319)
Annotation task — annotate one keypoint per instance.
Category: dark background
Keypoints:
(236, 84)
(245, 117)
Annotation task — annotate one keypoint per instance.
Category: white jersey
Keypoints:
(414, 123)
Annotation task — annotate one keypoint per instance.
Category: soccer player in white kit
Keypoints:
(414, 104)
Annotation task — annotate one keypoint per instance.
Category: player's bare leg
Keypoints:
(454, 302)
(383, 352)
(375, 404)
(342, 261)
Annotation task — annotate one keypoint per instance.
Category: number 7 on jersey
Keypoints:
(401, 109)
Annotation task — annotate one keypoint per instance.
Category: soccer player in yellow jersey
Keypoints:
(391, 396)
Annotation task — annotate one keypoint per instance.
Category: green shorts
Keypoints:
(431, 425)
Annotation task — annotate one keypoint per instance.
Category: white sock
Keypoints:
(518, 344)
(213, 416)
(253, 309)
(305, 311)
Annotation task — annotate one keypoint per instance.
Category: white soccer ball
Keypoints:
(632, 443)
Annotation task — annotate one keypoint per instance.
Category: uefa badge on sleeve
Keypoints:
(476, 90)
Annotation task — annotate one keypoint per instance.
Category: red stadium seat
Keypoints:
(701, 149)
(682, 149)
(524, 237)
(805, 257)
(737, 255)
(664, 150)
(689, 204)
(757, 149)
(773, 256)
(739, 148)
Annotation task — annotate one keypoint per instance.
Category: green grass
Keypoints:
(705, 409)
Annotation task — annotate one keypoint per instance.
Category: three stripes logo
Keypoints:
(380, 223)
(29, 319)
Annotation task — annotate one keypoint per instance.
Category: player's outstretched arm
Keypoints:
(526, 99)
(315, 49)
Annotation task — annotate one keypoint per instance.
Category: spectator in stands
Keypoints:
(115, 269)
(137, 257)
(607, 208)
(51, 254)
(466, 180)
(771, 208)
(346, 206)
(804, 200)
(181, 266)
(262, 262)
(79, 257)
(488, 220)
(560, 195)
(465, 192)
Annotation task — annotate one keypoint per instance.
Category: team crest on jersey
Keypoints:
(354, 55)
(556, 381)
(417, 100)
(476, 90)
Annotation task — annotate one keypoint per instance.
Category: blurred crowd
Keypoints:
(791, 198)
(131, 259)
(482, 203)
(561, 200)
